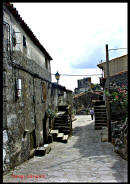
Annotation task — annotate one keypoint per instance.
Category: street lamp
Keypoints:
(57, 76)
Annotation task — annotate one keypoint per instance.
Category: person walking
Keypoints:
(92, 113)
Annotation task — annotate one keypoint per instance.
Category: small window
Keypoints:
(14, 38)
(46, 63)
(24, 42)
(44, 91)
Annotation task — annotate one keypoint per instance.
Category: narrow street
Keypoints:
(83, 159)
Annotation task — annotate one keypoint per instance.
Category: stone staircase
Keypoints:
(100, 116)
(60, 137)
(62, 126)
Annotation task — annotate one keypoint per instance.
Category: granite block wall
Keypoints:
(23, 117)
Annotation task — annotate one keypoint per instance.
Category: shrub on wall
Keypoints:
(118, 95)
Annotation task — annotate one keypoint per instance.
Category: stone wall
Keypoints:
(119, 121)
(23, 116)
(82, 101)
(60, 96)
(117, 112)
(119, 131)
(120, 79)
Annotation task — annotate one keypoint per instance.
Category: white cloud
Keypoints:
(75, 34)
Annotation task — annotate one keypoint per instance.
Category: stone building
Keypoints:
(26, 89)
(116, 65)
(118, 76)
(83, 85)
(60, 96)
(118, 71)
(85, 100)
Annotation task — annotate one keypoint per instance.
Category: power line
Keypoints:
(117, 49)
(78, 75)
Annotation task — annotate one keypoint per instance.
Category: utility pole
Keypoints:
(107, 97)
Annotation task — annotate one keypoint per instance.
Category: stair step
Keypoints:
(60, 135)
(101, 117)
(98, 128)
(100, 113)
(101, 110)
(101, 124)
(65, 138)
(62, 124)
(54, 132)
(100, 106)
(61, 127)
(100, 120)
(41, 151)
(66, 131)
(61, 114)
(62, 119)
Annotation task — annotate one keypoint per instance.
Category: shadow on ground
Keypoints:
(84, 147)
(89, 145)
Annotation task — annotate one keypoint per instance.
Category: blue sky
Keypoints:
(75, 34)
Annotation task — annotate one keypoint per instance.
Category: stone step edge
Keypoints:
(65, 138)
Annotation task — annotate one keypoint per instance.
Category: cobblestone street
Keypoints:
(83, 159)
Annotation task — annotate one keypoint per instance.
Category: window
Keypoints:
(46, 63)
(14, 38)
(24, 42)
(44, 91)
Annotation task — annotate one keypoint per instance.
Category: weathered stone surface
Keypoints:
(24, 113)
(83, 159)
(119, 131)
(104, 134)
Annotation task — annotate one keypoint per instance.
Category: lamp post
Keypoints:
(57, 76)
(107, 87)
(107, 98)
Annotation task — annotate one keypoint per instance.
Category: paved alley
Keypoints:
(83, 159)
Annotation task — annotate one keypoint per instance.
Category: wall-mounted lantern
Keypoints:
(57, 76)
(18, 87)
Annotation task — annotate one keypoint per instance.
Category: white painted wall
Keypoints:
(33, 52)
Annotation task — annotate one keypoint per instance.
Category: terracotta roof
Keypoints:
(80, 94)
(83, 93)
(26, 28)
